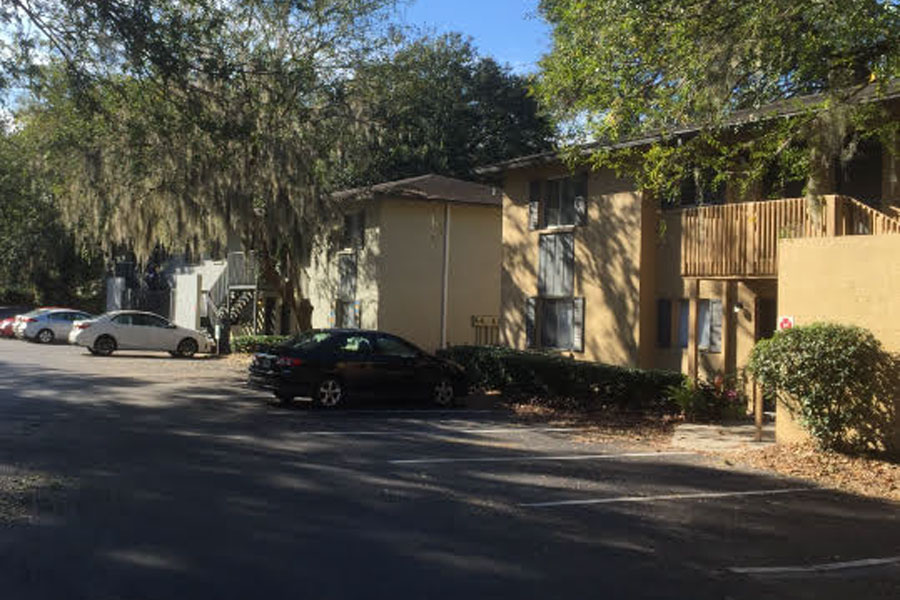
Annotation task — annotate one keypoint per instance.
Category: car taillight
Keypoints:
(82, 325)
(288, 361)
(29, 320)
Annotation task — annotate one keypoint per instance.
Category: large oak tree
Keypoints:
(624, 69)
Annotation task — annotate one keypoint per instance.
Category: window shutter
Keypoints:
(530, 313)
(715, 325)
(534, 205)
(581, 195)
(578, 324)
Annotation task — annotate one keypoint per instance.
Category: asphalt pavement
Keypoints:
(159, 478)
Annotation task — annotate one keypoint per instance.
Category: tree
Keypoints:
(435, 106)
(40, 260)
(622, 70)
(183, 122)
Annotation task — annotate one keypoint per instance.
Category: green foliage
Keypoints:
(256, 343)
(621, 70)
(557, 380)
(440, 108)
(40, 261)
(837, 379)
(704, 401)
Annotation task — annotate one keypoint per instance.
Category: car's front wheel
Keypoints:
(187, 347)
(330, 393)
(104, 345)
(442, 393)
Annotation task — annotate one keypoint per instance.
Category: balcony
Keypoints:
(740, 241)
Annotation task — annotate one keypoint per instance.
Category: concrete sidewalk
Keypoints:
(717, 436)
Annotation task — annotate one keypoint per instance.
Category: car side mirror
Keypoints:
(171, 326)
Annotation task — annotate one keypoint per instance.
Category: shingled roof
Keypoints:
(781, 109)
(428, 188)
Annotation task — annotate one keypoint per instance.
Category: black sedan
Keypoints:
(332, 366)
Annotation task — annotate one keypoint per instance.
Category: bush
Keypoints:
(256, 343)
(557, 380)
(837, 379)
(704, 401)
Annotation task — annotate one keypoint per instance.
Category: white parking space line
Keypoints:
(663, 497)
(425, 461)
(835, 566)
(420, 411)
(389, 432)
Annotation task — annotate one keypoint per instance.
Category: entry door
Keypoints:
(766, 317)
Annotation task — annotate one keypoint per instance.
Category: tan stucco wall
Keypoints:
(474, 275)
(410, 271)
(852, 280)
(607, 264)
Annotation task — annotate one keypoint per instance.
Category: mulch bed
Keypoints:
(866, 476)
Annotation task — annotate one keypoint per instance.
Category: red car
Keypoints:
(6, 327)
(8, 317)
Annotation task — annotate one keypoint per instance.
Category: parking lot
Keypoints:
(154, 477)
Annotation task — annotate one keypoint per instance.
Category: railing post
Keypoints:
(832, 216)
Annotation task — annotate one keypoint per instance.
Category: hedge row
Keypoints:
(256, 343)
(557, 380)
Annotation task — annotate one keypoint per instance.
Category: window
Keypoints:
(556, 323)
(355, 344)
(664, 323)
(347, 309)
(684, 310)
(354, 229)
(558, 314)
(558, 202)
(556, 265)
(709, 325)
(122, 319)
(391, 346)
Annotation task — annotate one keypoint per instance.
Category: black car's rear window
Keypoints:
(310, 339)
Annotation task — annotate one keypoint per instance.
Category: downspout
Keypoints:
(445, 275)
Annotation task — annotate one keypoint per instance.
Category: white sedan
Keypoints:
(136, 330)
(48, 324)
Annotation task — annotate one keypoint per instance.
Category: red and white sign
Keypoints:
(785, 323)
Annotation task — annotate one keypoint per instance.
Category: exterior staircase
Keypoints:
(230, 299)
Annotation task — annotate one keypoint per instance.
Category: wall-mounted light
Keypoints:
(738, 307)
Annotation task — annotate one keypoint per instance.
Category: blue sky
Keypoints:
(508, 30)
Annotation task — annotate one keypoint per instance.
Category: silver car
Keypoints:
(137, 330)
(47, 325)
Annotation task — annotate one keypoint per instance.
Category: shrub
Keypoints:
(256, 343)
(717, 400)
(557, 380)
(837, 379)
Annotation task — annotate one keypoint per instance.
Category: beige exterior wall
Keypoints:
(607, 264)
(474, 275)
(852, 280)
(411, 269)
(321, 277)
(400, 269)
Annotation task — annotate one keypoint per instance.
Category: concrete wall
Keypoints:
(187, 302)
(607, 264)
(852, 280)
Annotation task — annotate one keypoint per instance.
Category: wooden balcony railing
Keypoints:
(741, 240)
